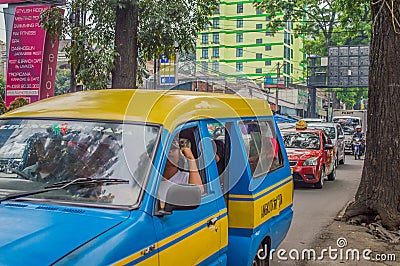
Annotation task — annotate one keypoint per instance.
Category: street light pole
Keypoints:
(278, 75)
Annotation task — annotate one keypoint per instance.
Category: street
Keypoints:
(315, 208)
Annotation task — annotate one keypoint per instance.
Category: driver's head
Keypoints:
(358, 128)
(47, 151)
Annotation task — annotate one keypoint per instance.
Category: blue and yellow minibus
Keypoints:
(81, 175)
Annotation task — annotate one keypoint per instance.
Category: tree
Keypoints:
(378, 193)
(3, 106)
(91, 52)
(62, 81)
(2, 87)
(105, 42)
(320, 23)
(17, 103)
(352, 96)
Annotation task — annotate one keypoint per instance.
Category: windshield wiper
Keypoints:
(65, 184)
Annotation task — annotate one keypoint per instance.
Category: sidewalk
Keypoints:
(347, 238)
(335, 242)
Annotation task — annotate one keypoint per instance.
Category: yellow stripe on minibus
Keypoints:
(250, 214)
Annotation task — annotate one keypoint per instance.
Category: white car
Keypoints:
(335, 132)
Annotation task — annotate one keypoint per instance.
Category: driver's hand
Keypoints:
(187, 152)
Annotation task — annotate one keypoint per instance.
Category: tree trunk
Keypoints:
(125, 65)
(379, 190)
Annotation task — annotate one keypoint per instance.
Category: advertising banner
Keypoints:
(49, 68)
(26, 51)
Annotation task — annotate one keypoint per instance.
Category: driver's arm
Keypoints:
(194, 176)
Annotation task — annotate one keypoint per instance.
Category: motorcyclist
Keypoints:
(359, 134)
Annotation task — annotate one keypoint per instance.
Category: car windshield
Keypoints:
(301, 140)
(348, 124)
(329, 130)
(35, 154)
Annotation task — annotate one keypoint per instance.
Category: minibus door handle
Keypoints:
(211, 224)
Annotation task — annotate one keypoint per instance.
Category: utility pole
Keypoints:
(278, 75)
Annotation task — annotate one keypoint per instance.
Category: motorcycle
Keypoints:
(357, 142)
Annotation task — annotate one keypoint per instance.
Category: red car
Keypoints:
(310, 154)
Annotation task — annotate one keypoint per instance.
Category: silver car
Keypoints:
(335, 132)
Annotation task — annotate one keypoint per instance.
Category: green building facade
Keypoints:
(239, 44)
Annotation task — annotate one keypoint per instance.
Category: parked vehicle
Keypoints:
(336, 134)
(83, 187)
(310, 154)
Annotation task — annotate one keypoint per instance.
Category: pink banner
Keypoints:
(54, 2)
(26, 53)
(50, 54)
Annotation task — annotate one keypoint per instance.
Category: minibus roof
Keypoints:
(168, 108)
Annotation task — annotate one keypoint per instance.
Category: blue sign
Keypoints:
(166, 80)
(164, 59)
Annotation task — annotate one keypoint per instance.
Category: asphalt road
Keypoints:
(315, 208)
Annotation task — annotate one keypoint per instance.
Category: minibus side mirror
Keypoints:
(181, 197)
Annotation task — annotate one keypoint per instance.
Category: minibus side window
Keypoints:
(278, 156)
(178, 168)
(219, 133)
(262, 146)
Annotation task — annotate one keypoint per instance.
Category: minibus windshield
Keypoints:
(36, 154)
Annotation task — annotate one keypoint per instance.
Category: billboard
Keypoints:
(32, 57)
(348, 66)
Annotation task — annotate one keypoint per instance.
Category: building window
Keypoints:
(267, 63)
(204, 52)
(215, 52)
(204, 38)
(258, 56)
(215, 66)
(216, 11)
(204, 67)
(206, 26)
(216, 23)
(239, 8)
(258, 41)
(291, 38)
(215, 37)
(268, 48)
(258, 26)
(239, 23)
(239, 37)
(239, 66)
(268, 33)
(258, 70)
(286, 38)
(258, 12)
(267, 18)
(239, 52)
(288, 25)
(291, 53)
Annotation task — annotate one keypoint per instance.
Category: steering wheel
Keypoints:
(21, 174)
